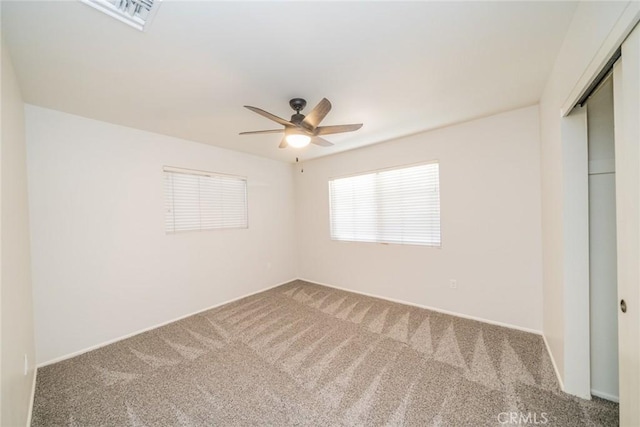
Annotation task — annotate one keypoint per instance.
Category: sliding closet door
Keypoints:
(603, 283)
(627, 147)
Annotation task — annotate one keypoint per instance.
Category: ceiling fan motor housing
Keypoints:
(297, 118)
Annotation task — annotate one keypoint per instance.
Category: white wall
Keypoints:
(15, 294)
(590, 28)
(103, 266)
(490, 210)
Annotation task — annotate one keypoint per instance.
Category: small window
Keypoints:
(399, 205)
(204, 200)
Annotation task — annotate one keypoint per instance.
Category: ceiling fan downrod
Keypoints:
(298, 105)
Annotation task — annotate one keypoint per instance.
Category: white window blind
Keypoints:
(201, 200)
(388, 206)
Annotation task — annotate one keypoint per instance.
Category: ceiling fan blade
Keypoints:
(319, 112)
(255, 132)
(268, 115)
(327, 130)
(321, 141)
(283, 143)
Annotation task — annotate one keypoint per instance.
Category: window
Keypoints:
(388, 206)
(137, 13)
(203, 200)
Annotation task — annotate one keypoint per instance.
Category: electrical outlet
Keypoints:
(26, 365)
(453, 284)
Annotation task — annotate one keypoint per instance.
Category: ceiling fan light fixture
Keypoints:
(298, 140)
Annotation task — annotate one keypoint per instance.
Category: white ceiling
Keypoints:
(397, 67)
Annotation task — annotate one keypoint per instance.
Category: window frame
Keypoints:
(198, 172)
(376, 171)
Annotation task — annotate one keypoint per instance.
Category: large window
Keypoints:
(388, 206)
(196, 200)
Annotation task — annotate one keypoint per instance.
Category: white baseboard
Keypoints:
(553, 362)
(451, 313)
(606, 396)
(97, 346)
(32, 397)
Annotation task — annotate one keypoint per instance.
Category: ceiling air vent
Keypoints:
(137, 13)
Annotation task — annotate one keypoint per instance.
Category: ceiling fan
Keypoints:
(302, 130)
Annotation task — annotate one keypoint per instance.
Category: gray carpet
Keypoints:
(304, 354)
